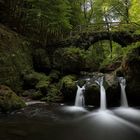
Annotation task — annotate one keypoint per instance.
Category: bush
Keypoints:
(54, 94)
(74, 60)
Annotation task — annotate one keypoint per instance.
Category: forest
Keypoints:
(61, 60)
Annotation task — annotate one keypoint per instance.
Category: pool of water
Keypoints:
(70, 123)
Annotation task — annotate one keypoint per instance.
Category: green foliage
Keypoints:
(68, 81)
(130, 48)
(54, 75)
(48, 19)
(74, 59)
(68, 86)
(36, 95)
(76, 14)
(43, 21)
(36, 80)
(15, 57)
(54, 94)
(135, 11)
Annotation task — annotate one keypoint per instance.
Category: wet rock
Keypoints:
(69, 87)
(131, 70)
(92, 95)
(112, 90)
(111, 85)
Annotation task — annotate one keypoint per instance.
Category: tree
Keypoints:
(135, 11)
(76, 15)
(43, 21)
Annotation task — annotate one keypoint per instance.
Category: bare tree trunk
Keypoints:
(127, 11)
(109, 34)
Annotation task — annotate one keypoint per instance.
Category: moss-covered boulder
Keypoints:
(9, 101)
(131, 70)
(68, 87)
(92, 95)
(15, 57)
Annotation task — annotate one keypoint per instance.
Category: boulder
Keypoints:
(9, 101)
(131, 70)
(92, 95)
(111, 85)
(68, 87)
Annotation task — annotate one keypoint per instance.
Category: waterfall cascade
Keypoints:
(124, 102)
(80, 101)
(99, 81)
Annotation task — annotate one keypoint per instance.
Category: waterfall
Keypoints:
(80, 101)
(99, 81)
(124, 102)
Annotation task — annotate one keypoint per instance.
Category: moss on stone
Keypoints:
(9, 101)
(68, 87)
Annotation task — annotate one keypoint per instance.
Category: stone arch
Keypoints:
(122, 38)
(85, 40)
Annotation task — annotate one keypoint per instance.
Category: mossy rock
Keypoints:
(69, 87)
(131, 71)
(81, 82)
(9, 101)
(92, 95)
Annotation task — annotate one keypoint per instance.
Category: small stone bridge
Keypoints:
(84, 36)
